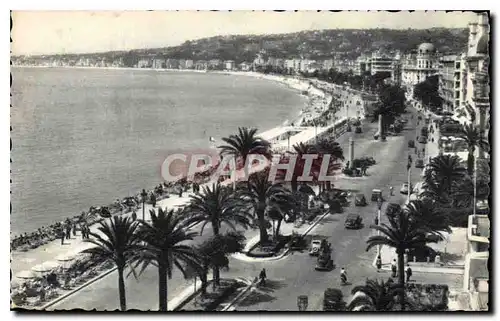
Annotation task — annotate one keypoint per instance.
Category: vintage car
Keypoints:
(360, 200)
(353, 221)
(315, 247)
(324, 262)
(358, 130)
(376, 194)
(422, 140)
(404, 188)
(419, 163)
(411, 143)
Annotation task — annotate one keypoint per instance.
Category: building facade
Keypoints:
(477, 87)
(417, 67)
(452, 78)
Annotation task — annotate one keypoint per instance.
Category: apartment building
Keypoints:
(452, 78)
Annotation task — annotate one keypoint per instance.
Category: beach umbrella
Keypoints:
(46, 266)
(66, 257)
(26, 275)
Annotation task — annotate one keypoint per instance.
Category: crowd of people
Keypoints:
(67, 228)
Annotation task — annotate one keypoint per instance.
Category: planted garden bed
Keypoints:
(428, 297)
(271, 248)
(213, 298)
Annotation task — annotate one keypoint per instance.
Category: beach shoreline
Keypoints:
(316, 99)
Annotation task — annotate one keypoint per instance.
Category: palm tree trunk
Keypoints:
(470, 163)
(121, 290)
(262, 226)
(216, 272)
(401, 277)
(204, 279)
(278, 229)
(143, 209)
(294, 183)
(162, 286)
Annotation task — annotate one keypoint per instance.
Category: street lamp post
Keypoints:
(144, 194)
(409, 179)
(379, 205)
(302, 302)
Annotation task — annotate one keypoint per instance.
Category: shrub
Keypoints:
(333, 300)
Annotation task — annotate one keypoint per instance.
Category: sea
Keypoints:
(85, 137)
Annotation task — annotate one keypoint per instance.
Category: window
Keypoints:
(457, 94)
(457, 65)
(457, 84)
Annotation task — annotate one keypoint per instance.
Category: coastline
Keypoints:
(315, 97)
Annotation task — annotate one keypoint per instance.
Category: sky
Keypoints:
(57, 32)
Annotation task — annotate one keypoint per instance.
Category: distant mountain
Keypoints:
(347, 43)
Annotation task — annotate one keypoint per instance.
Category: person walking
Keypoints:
(408, 272)
(343, 276)
(62, 235)
(376, 220)
(74, 230)
(391, 190)
(68, 231)
(394, 268)
(263, 276)
(379, 263)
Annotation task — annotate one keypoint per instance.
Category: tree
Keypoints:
(446, 170)
(427, 92)
(214, 251)
(428, 217)
(332, 148)
(217, 206)
(165, 248)
(144, 196)
(375, 296)
(300, 149)
(473, 138)
(243, 144)
(261, 195)
(403, 233)
(333, 300)
(117, 242)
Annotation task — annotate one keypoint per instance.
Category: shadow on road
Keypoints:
(263, 293)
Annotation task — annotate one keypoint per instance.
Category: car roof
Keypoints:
(376, 190)
(316, 241)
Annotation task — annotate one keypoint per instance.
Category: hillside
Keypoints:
(347, 43)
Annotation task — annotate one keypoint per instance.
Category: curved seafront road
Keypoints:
(294, 274)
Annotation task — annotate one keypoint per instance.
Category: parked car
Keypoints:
(315, 246)
(353, 221)
(404, 189)
(411, 144)
(360, 200)
(419, 163)
(422, 140)
(376, 194)
(358, 130)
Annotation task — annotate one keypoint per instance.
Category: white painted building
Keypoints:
(416, 68)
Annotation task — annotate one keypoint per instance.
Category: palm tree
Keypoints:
(332, 148)
(402, 233)
(117, 242)
(262, 195)
(214, 253)
(300, 149)
(376, 296)
(472, 136)
(217, 206)
(427, 216)
(276, 216)
(243, 144)
(165, 248)
(446, 171)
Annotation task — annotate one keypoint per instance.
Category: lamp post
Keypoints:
(144, 194)
(302, 302)
(379, 205)
(408, 167)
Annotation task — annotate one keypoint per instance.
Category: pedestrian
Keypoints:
(394, 268)
(68, 231)
(376, 220)
(62, 236)
(408, 272)
(74, 229)
(379, 263)
(391, 190)
(263, 276)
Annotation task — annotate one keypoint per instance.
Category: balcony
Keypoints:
(479, 229)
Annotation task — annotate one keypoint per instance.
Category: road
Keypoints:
(294, 274)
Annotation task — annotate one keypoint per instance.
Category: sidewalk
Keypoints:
(22, 261)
